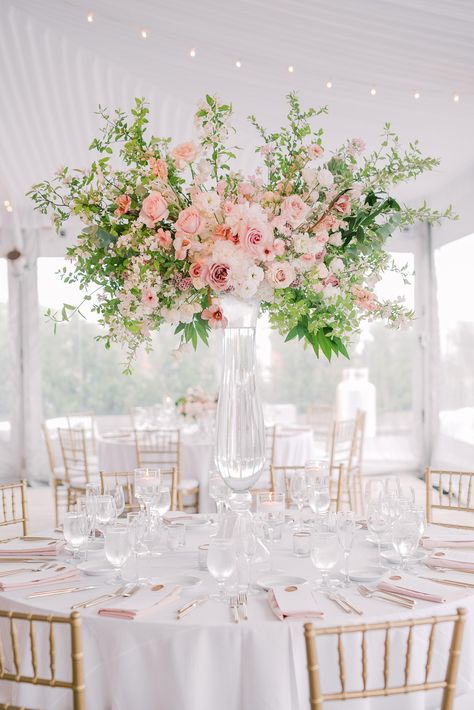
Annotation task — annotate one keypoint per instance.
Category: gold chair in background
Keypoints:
(447, 683)
(57, 472)
(78, 469)
(87, 422)
(281, 480)
(125, 479)
(346, 450)
(161, 448)
(450, 492)
(13, 506)
(13, 658)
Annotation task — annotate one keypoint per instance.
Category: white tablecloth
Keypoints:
(206, 661)
(294, 446)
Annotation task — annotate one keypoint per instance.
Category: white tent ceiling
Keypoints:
(56, 67)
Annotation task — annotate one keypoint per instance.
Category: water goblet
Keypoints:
(136, 524)
(116, 491)
(161, 503)
(346, 529)
(117, 549)
(221, 563)
(146, 484)
(318, 497)
(105, 511)
(75, 531)
(325, 552)
(298, 492)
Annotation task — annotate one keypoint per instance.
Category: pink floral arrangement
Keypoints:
(169, 230)
(196, 403)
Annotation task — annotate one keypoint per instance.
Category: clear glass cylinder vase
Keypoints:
(240, 430)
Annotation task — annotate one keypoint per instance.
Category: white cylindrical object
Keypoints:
(356, 392)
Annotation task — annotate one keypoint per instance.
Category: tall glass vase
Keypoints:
(240, 444)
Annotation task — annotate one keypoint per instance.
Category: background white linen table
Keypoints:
(207, 661)
(293, 448)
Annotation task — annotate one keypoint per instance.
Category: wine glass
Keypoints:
(117, 549)
(136, 523)
(298, 491)
(116, 491)
(92, 491)
(406, 536)
(346, 529)
(146, 484)
(86, 505)
(325, 552)
(378, 522)
(75, 531)
(221, 562)
(161, 503)
(247, 542)
(271, 509)
(105, 511)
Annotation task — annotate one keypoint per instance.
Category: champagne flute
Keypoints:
(325, 552)
(298, 493)
(75, 531)
(221, 563)
(117, 550)
(346, 529)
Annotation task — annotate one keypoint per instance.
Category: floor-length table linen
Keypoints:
(207, 661)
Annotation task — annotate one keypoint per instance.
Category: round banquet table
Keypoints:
(206, 661)
(293, 447)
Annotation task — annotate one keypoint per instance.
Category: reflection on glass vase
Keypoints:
(240, 435)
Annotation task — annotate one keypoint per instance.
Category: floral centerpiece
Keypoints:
(170, 229)
(196, 403)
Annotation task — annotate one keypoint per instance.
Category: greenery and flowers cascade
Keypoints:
(170, 229)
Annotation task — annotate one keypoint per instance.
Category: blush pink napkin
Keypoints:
(298, 604)
(26, 580)
(143, 602)
(431, 542)
(22, 548)
(460, 560)
(411, 586)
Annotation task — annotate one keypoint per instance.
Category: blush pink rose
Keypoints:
(343, 204)
(198, 272)
(158, 168)
(123, 203)
(154, 208)
(315, 150)
(279, 247)
(255, 239)
(364, 299)
(189, 221)
(328, 222)
(218, 276)
(281, 274)
(163, 237)
(184, 153)
(214, 316)
(321, 236)
(149, 298)
(294, 209)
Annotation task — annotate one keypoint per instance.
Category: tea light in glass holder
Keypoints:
(302, 543)
(202, 556)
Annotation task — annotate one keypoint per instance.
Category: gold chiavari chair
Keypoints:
(319, 418)
(87, 422)
(57, 473)
(161, 448)
(281, 480)
(125, 479)
(16, 667)
(451, 493)
(14, 508)
(368, 690)
(346, 450)
(78, 469)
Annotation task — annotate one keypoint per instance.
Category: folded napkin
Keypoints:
(454, 539)
(411, 586)
(293, 602)
(30, 548)
(144, 601)
(461, 560)
(25, 580)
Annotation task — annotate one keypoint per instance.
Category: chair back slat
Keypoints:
(14, 508)
(449, 493)
(74, 455)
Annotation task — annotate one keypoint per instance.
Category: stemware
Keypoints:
(406, 537)
(325, 552)
(221, 562)
(374, 489)
(346, 528)
(319, 498)
(247, 542)
(393, 486)
(298, 490)
(117, 493)
(105, 511)
(146, 485)
(136, 523)
(92, 491)
(117, 549)
(75, 531)
(271, 509)
(378, 522)
(161, 503)
(218, 491)
(417, 514)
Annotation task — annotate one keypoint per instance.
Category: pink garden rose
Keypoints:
(184, 153)
(281, 274)
(343, 204)
(294, 209)
(189, 221)
(163, 237)
(364, 298)
(279, 247)
(215, 316)
(198, 273)
(256, 238)
(321, 236)
(154, 208)
(149, 298)
(315, 150)
(123, 203)
(158, 168)
(218, 276)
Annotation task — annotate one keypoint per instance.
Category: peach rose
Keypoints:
(281, 274)
(158, 168)
(154, 208)
(184, 153)
(255, 238)
(189, 221)
(294, 209)
(343, 204)
(218, 276)
(123, 203)
(198, 272)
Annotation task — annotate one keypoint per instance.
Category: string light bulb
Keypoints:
(144, 34)
(6, 203)
(416, 95)
(291, 69)
(9, 208)
(238, 63)
(373, 91)
(456, 98)
(192, 53)
(90, 17)
(329, 85)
